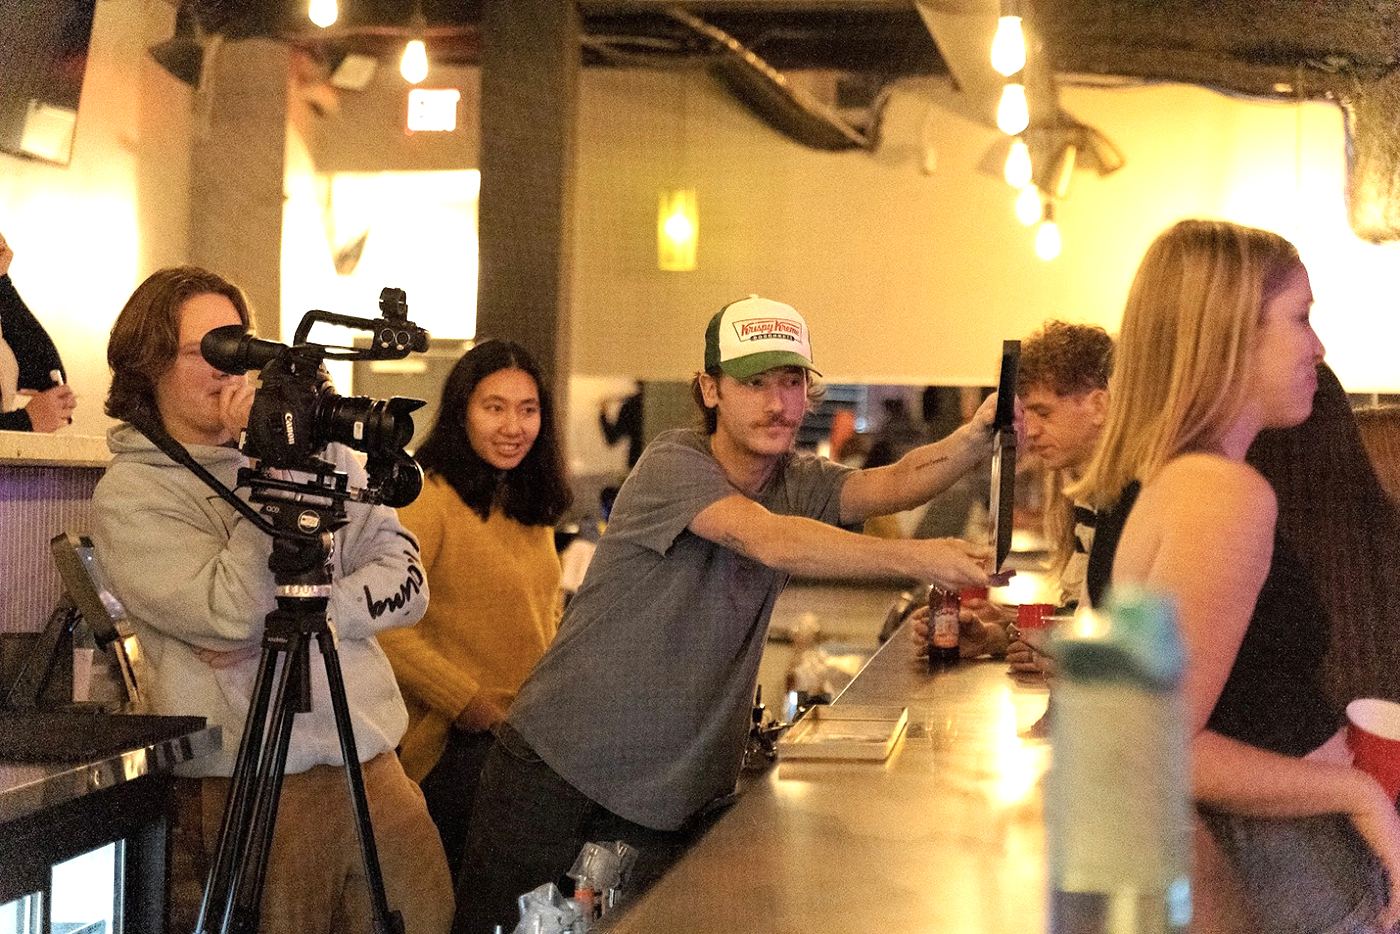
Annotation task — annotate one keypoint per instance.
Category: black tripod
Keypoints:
(301, 567)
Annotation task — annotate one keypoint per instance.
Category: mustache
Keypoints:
(776, 421)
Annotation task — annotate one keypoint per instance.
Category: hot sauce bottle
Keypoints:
(943, 608)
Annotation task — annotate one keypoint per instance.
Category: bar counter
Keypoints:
(53, 811)
(944, 836)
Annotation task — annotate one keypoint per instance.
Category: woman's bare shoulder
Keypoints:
(1206, 498)
(1213, 482)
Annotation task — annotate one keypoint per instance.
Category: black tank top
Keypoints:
(1273, 697)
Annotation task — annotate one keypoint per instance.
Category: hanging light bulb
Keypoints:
(1028, 205)
(323, 12)
(1009, 46)
(1047, 238)
(414, 65)
(1018, 164)
(1013, 116)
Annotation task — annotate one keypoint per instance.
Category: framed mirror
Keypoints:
(43, 56)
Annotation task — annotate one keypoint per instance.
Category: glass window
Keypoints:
(86, 897)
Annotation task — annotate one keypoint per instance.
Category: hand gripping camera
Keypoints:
(296, 412)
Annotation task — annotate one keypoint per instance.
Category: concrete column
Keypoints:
(529, 105)
(238, 165)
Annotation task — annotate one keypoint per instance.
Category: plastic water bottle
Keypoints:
(1118, 802)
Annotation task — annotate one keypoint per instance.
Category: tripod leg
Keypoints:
(385, 921)
(232, 840)
(243, 911)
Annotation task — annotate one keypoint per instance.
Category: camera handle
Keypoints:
(301, 567)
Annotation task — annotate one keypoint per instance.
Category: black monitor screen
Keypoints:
(88, 588)
(43, 55)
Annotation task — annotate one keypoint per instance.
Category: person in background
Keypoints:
(1333, 511)
(633, 725)
(628, 424)
(29, 364)
(1062, 382)
(1216, 346)
(193, 575)
(896, 436)
(494, 489)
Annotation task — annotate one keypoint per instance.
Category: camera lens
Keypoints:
(369, 425)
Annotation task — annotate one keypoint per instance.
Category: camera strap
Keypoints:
(155, 432)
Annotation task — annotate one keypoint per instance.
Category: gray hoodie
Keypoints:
(193, 576)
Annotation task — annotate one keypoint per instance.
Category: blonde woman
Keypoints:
(1217, 345)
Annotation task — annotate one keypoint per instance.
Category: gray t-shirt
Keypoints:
(643, 701)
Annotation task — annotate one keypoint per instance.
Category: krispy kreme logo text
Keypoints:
(753, 329)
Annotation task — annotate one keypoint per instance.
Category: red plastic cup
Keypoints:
(1034, 615)
(1373, 733)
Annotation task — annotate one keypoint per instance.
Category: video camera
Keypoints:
(296, 411)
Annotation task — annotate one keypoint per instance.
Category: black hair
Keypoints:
(534, 492)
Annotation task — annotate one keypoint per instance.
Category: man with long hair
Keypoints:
(635, 721)
(193, 574)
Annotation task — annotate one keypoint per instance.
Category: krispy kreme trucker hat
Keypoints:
(756, 334)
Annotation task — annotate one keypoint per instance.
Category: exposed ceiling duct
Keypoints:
(784, 105)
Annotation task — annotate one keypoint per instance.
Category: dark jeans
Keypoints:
(450, 789)
(1302, 875)
(527, 828)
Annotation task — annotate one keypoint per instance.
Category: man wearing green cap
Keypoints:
(636, 719)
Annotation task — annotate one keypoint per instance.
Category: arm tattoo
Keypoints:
(734, 543)
(931, 461)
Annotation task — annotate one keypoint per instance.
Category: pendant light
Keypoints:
(414, 64)
(323, 12)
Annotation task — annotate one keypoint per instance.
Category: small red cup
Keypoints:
(1373, 733)
(1034, 615)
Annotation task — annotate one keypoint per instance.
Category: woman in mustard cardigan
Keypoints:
(494, 488)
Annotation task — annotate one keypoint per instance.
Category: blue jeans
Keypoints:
(1302, 875)
(528, 826)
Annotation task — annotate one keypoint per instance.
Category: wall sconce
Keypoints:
(1009, 45)
(677, 230)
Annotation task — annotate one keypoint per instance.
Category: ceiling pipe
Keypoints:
(771, 96)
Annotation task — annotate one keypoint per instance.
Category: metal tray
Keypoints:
(845, 731)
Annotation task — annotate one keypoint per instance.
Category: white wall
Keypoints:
(915, 278)
(84, 235)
